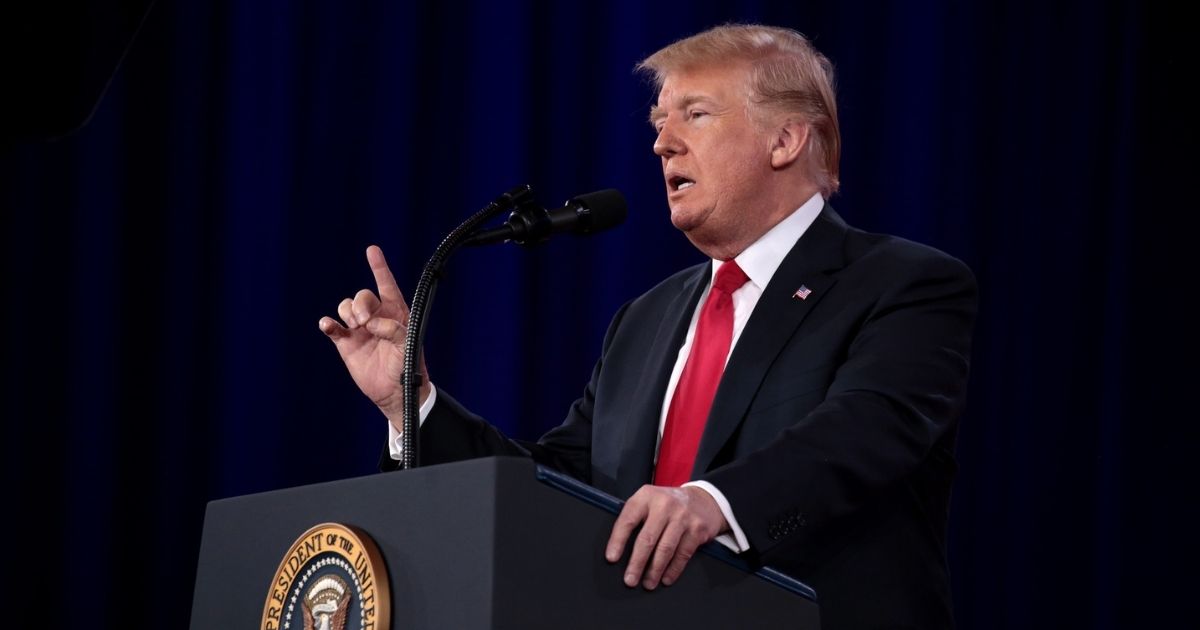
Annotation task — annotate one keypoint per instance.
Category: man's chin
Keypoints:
(684, 220)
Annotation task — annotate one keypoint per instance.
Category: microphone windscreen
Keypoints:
(605, 209)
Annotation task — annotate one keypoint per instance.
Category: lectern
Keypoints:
(486, 543)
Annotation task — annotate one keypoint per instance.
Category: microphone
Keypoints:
(530, 224)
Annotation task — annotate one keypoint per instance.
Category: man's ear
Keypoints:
(790, 141)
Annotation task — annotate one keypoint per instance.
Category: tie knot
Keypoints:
(730, 277)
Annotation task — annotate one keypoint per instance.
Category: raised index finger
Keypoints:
(385, 282)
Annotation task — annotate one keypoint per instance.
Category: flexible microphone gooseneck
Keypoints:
(410, 378)
(527, 225)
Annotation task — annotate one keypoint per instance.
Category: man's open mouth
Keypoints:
(680, 183)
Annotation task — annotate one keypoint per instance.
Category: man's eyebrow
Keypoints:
(658, 113)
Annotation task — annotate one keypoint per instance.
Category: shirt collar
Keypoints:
(763, 257)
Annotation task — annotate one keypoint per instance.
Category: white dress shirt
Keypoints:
(759, 261)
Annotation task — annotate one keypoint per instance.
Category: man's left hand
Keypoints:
(675, 522)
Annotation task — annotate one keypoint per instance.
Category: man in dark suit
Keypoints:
(805, 383)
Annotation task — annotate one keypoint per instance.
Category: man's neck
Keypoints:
(730, 246)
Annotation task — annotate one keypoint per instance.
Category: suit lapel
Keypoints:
(636, 465)
(775, 319)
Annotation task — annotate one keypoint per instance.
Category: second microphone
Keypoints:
(530, 223)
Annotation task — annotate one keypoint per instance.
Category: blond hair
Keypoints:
(788, 76)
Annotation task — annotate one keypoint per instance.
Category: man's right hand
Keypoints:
(370, 340)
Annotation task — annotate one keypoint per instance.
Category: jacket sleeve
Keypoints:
(893, 403)
(453, 433)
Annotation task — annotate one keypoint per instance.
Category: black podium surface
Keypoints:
(479, 544)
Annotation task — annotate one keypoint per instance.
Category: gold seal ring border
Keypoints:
(383, 592)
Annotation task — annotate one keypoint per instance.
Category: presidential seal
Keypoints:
(332, 578)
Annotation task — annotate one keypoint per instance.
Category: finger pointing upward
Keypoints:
(389, 291)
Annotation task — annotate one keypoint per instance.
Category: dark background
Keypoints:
(168, 249)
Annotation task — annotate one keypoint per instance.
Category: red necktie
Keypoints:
(698, 384)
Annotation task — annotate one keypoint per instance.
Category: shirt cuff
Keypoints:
(395, 443)
(735, 540)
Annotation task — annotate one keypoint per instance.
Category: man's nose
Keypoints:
(667, 143)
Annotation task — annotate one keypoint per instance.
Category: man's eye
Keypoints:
(693, 115)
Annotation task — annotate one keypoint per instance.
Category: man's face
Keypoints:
(716, 161)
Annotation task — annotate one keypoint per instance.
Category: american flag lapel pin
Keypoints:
(802, 292)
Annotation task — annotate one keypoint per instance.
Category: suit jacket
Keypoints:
(832, 431)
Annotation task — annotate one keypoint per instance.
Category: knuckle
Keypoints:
(626, 520)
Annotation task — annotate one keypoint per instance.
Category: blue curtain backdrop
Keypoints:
(165, 264)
